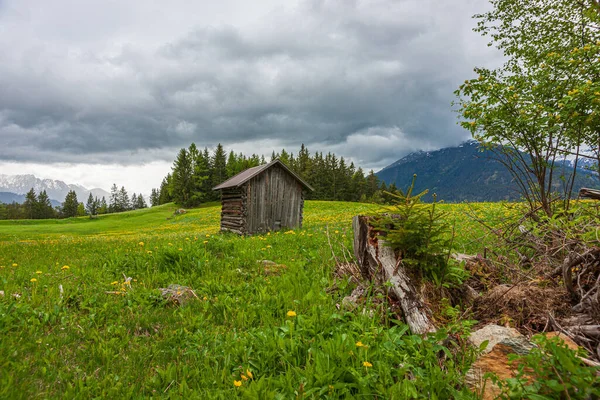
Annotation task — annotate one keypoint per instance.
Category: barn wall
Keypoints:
(274, 201)
(233, 210)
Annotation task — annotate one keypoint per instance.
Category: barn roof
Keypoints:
(244, 176)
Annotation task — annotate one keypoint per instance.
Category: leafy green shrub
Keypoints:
(422, 236)
(550, 371)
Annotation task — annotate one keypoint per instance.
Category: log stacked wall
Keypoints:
(233, 210)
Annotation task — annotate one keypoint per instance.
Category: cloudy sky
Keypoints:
(96, 92)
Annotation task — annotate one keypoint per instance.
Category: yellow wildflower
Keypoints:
(38, 272)
(141, 244)
(114, 283)
(207, 235)
(65, 267)
(367, 364)
(33, 280)
(237, 383)
(206, 241)
(15, 265)
(249, 373)
(244, 377)
(291, 313)
(149, 252)
(360, 344)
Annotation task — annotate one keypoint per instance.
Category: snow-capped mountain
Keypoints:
(56, 190)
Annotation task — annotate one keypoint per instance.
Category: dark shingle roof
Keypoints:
(244, 176)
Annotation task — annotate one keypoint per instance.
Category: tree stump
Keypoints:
(378, 262)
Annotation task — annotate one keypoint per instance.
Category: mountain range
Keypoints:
(14, 188)
(464, 173)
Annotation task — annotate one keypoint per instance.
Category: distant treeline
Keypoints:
(38, 206)
(195, 173)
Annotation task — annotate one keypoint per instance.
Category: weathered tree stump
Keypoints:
(589, 193)
(378, 262)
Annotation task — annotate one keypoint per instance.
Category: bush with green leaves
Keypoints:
(550, 371)
(422, 236)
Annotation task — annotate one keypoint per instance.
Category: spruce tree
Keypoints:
(44, 206)
(30, 204)
(154, 198)
(124, 204)
(69, 208)
(219, 166)
(141, 202)
(182, 178)
(114, 199)
(92, 205)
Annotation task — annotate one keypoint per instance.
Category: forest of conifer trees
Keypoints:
(195, 173)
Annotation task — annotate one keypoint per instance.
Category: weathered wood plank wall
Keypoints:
(274, 201)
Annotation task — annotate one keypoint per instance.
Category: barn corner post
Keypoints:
(263, 198)
(378, 262)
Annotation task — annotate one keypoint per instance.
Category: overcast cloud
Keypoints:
(110, 83)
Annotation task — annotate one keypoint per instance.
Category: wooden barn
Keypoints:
(264, 198)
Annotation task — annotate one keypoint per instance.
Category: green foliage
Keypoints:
(195, 173)
(70, 205)
(545, 100)
(421, 235)
(550, 371)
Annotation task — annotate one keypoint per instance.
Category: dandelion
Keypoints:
(149, 252)
(15, 265)
(180, 249)
(244, 377)
(206, 241)
(207, 235)
(249, 373)
(291, 313)
(141, 244)
(114, 283)
(38, 272)
(237, 383)
(336, 232)
(33, 280)
(65, 267)
(268, 246)
(367, 364)
(360, 344)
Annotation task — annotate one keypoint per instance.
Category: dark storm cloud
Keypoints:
(369, 80)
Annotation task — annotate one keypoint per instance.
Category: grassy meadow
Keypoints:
(255, 331)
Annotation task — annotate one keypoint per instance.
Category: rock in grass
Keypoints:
(177, 294)
(502, 341)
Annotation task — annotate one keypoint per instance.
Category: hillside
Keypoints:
(463, 173)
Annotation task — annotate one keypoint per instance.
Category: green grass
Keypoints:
(86, 343)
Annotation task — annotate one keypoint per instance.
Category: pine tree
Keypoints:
(140, 202)
(114, 199)
(103, 208)
(69, 208)
(154, 197)
(30, 204)
(219, 166)
(44, 206)
(182, 178)
(124, 204)
(165, 195)
(92, 205)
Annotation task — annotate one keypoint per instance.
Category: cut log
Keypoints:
(589, 193)
(378, 262)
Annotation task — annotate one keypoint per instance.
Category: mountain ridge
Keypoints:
(464, 173)
(55, 189)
